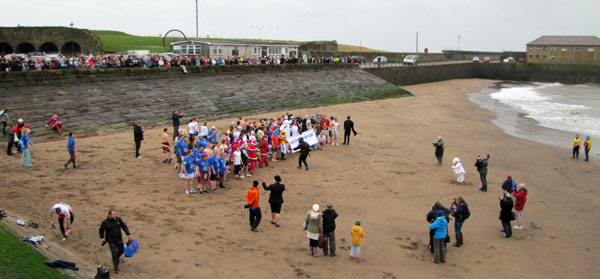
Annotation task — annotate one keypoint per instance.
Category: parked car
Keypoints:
(476, 59)
(380, 59)
(487, 59)
(411, 60)
(358, 59)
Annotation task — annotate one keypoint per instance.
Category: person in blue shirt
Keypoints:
(187, 172)
(181, 149)
(203, 173)
(212, 135)
(214, 168)
(439, 238)
(71, 150)
(24, 144)
(202, 143)
(222, 170)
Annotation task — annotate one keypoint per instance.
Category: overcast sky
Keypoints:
(388, 25)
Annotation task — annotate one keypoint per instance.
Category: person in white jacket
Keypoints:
(458, 170)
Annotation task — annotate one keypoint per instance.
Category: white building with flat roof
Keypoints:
(216, 49)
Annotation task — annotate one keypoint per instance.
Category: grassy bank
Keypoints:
(116, 41)
(19, 260)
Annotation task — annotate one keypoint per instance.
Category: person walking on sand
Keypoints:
(576, 146)
(275, 199)
(138, 137)
(314, 228)
(304, 151)
(460, 214)
(166, 146)
(71, 150)
(252, 199)
(459, 171)
(440, 226)
(348, 127)
(587, 145)
(110, 232)
(506, 214)
(187, 172)
(439, 150)
(482, 164)
(63, 211)
(24, 144)
(520, 198)
(357, 234)
(329, 216)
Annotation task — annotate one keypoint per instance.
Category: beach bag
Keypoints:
(321, 242)
(512, 216)
(130, 248)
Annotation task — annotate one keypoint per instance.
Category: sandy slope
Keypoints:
(387, 178)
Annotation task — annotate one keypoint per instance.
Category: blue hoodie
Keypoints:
(440, 224)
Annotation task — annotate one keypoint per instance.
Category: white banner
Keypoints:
(308, 136)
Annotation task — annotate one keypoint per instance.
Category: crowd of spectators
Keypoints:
(19, 62)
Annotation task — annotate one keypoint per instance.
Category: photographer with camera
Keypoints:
(506, 214)
(482, 164)
(432, 216)
(460, 214)
(439, 150)
(440, 226)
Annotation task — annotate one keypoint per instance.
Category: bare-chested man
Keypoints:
(166, 147)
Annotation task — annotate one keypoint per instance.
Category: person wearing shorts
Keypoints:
(203, 175)
(166, 146)
(275, 199)
(222, 169)
(213, 170)
(63, 211)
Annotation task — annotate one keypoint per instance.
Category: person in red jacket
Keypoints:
(264, 151)
(55, 123)
(252, 155)
(520, 199)
(252, 199)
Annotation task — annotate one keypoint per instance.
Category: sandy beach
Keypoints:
(387, 178)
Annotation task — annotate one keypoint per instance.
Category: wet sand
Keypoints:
(387, 178)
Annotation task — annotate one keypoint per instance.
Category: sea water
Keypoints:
(545, 112)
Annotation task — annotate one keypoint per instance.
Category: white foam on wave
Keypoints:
(548, 112)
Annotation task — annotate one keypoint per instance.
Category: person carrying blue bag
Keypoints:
(110, 232)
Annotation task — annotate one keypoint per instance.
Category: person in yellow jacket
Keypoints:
(282, 145)
(587, 145)
(576, 146)
(357, 233)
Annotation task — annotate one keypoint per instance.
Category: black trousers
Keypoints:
(346, 137)
(576, 152)
(116, 251)
(175, 131)
(4, 128)
(61, 224)
(9, 148)
(255, 216)
(71, 160)
(302, 159)
(138, 144)
(587, 154)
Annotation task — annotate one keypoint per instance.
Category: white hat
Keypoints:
(20, 120)
(213, 127)
(315, 207)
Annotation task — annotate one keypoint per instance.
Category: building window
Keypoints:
(544, 56)
(293, 53)
(215, 51)
(552, 49)
(184, 49)
(198, 49)
(235, 52)
(218, 50)
(530, 48)
(537, 48)
(530, 55)
(275, 50)
(255, 50)
(545, 48)
(565, 49)
(552, 57)
(590, 49)
(577, 49)
(537, 56)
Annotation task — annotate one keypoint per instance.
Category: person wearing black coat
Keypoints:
(176, 122)
(482, 164)
(348, 127)
(508, 184)
(304, 150)
(275, 199)
(506, 214)
(432, 216)
(110, 232)
(138, 137)
(329, 216)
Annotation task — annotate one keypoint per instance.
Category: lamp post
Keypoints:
(196, 19)
(458, 43)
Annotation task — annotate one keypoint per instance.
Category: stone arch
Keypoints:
(25, 48)
(70, 48)
(48, 47)
(5, 48)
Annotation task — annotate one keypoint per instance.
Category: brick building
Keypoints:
(564, 50)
